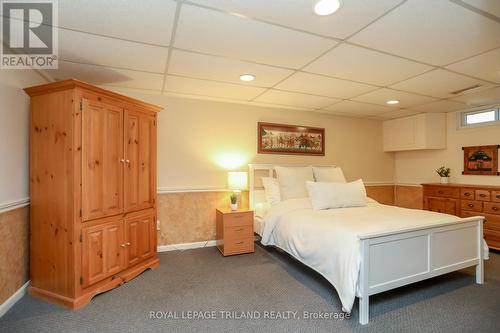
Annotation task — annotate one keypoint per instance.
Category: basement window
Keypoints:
(481, 117)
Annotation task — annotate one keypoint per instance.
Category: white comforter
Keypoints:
(328, 240)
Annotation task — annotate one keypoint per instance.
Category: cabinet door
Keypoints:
(103, 251)
(141, 233)
(442, 205)
(140, 160)
(102, 153)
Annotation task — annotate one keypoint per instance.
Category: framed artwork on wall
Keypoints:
(481, 160)
(290, 139)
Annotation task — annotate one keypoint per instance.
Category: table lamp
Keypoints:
(236, 181)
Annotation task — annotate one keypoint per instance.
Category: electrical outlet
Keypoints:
(158, 225)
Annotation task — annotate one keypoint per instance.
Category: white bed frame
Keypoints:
(394, 259)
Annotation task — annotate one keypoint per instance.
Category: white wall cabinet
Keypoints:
(422, 131)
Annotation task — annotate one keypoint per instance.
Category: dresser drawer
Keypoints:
(467, 193)
(492, 238)
(483, 195)
(238, 219)
(475, 206)
(492, 207)
(495, 196)
(241, 245)
(491, 222)
(441, 191)
(244, 231)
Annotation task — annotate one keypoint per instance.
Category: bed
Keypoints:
(364, 251)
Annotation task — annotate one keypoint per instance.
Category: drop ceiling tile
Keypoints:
(396, 114)
(278, 106)
(439, 83)
(295, 99)
(360, 64)
(381, 96)
(223, 69)
(322, 85)
(92, 49)
(485, 66)
(435, 32)
(356, 108)
(101, 75)
(440, 106)
(233, 36)
(138, 20)
(481, 98)
(489, 6)
(210, 88)
(352, 16)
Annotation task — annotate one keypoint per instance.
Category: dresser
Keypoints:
(92, 191)
(234, 231)
(466, 201)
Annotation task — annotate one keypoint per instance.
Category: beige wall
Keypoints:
(416, 167)
(194, 134)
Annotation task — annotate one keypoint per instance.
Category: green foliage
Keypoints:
(443, 171)
(234, 198)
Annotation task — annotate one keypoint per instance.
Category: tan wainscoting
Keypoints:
(14, 251)
(409, 196)
(188, 217)
(382, 193)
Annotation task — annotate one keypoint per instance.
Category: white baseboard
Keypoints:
(5, 306)
(185, 246)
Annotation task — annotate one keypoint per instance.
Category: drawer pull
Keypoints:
(470, 205)
(237, 216)
(239, 229)
(494, 208)
(123, 245)
(440, 192)
(498, 196)
(239, 243)
(482, 195)
(467, 194)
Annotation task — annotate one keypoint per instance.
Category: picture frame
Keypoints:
(290, 139)
(481, 160)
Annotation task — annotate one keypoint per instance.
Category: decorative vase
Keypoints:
(234, 207)
(445, 180)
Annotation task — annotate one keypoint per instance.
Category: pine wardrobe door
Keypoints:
(140, 234)
(102, 160)
(140, 160)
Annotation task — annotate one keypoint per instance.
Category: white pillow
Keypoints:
(292, 181)
(271, 190)
(337, 195)
(262, 208)
(329, 174)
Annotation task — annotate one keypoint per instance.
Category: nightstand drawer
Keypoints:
(241, 245)
(238, 219)
(475, 206)
(495, 196)
(238, 232)
(492, 208)
(483, 195)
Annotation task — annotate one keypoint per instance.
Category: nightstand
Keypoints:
(234, 231)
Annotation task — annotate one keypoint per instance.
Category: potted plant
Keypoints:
(444, 173)
(234, 201)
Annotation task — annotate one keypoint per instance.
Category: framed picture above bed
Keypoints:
(290, 139)
(481, 160)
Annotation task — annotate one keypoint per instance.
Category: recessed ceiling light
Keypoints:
(392, 101)
(326, 7)
(247, 77)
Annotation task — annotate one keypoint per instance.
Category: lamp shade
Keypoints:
(237, 181)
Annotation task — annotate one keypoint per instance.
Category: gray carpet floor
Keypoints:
(266, 281)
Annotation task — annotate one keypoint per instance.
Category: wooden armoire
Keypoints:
(92, 190)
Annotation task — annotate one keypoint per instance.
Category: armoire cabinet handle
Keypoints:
(123, 245)
(122, 160)
(127, 161)
(127, 243)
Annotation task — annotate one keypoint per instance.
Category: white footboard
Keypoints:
(392, 260)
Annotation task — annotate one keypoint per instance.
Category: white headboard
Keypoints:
(257, 171)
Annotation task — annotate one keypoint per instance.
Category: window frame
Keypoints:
(464, 114)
